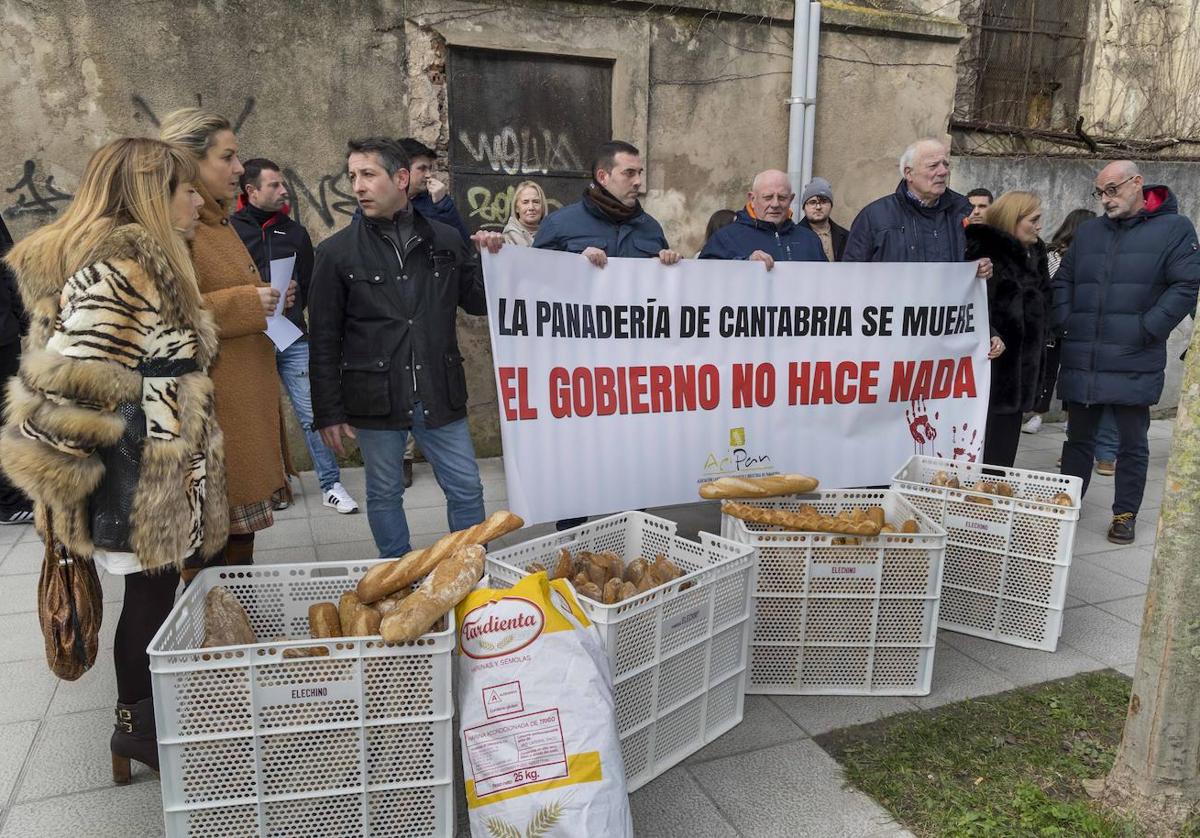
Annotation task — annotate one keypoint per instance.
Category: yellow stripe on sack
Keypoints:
(536, 589)
(581, 768)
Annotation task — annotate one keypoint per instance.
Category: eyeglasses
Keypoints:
(1112, 189)
(817, 200)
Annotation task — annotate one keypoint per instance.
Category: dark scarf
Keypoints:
(606, 202)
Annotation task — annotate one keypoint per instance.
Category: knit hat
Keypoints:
(817, 187)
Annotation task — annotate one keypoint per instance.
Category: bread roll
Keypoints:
(389, 577)
(612, 592)
(444, 588)
(591, 591)
(347, 605)
(323, 620)
(758, 487)
(365, 622)
(225, 621)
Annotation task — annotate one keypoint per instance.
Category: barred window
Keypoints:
(1024, 62)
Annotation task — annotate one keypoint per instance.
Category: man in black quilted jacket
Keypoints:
(1127, 280)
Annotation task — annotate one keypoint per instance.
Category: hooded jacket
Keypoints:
(785, 242)
(1018, 311)
(1123, 285)
(894, 229)
(581, 225)
(111, 426)
(276, 235)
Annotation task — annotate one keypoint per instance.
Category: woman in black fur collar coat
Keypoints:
(1018, 308)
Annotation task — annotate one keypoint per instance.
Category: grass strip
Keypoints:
(1007, 765)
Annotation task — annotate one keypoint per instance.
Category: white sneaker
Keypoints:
(338, 498)
(1033, 424)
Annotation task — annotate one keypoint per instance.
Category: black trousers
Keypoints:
(1133, 455)
(148, 601)
(11, 498)
(1001, 439)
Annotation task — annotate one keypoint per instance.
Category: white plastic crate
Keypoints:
(677, 652)
(1006, 561)
(252, 743)
(843, 619)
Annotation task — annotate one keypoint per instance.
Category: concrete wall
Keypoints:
(700, 86)
(1066, 184)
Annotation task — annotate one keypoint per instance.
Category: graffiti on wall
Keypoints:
(523, 152)
(34, 194)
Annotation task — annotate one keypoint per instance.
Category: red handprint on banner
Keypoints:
(963, 447)
(920, 427)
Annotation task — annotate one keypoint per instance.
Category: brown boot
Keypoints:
(133, 738)
(240, 549)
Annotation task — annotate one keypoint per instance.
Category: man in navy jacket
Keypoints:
(1127, 280)
(609, 221)
(764, 231)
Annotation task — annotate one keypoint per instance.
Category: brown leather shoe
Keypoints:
(408, 473)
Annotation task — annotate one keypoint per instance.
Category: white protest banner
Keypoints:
(628, 386)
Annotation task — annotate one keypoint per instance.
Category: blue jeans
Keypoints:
(451, 453)
(1107, 438)
(292, 364)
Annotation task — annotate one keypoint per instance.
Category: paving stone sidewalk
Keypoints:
(766, 777)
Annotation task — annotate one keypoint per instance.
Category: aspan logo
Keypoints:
(739, 459)
(501, 627)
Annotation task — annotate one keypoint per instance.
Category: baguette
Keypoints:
(389, 604)
(389, 577)
(806, 521)
(442, 589)
(758, 487)
(323, 620)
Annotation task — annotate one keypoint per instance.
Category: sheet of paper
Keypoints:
(282, 332)
(281, 278)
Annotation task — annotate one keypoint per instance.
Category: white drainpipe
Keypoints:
(810, 107)
(806, 31)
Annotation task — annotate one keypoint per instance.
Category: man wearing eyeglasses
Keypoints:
(1127, 280)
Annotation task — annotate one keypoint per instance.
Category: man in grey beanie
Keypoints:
(817, 203)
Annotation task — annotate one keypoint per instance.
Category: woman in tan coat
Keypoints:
(244, 376)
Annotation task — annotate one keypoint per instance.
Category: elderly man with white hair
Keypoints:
(922, 221)
(764, 230)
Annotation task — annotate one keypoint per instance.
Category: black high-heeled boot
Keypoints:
(134, 737)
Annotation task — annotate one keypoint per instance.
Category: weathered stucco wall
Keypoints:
(700, 86)
(1067, 184)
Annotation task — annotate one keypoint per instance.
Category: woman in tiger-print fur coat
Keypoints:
(110, 426)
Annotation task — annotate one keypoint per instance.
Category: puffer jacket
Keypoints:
(111, 426)
(581, 225)
(894, 229)
(1018, 311)
(1124, 284)
(785, 242)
